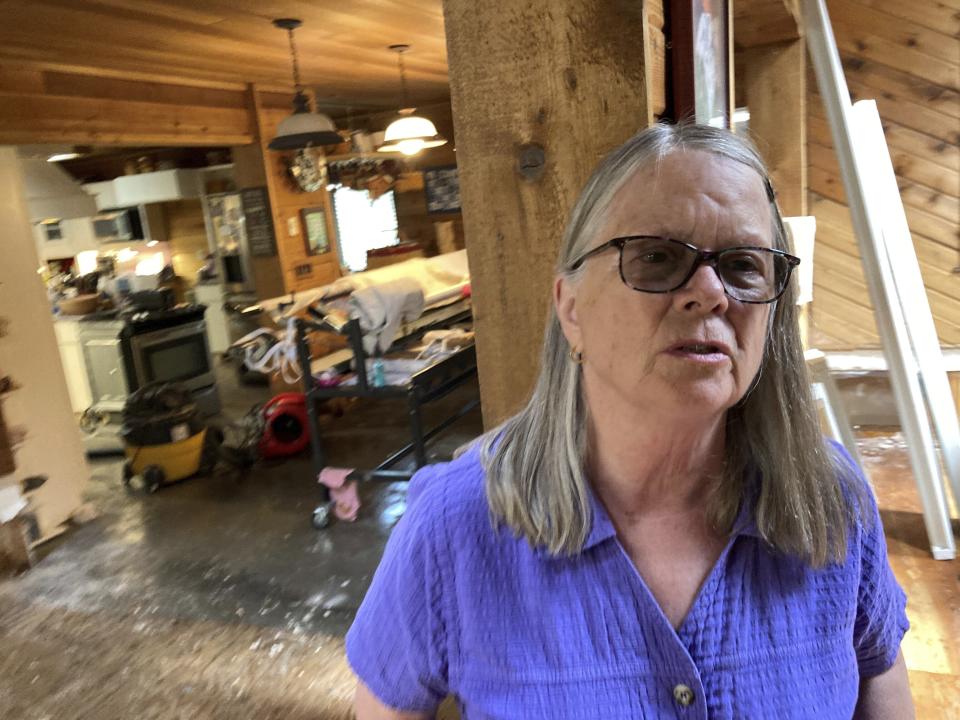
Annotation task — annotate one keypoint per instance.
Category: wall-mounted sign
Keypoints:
(257, 217)
(441, 185)
(315, 230)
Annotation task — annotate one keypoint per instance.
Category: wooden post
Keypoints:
(541, 91)
(772, 58)
(775, 77)
(776, 91)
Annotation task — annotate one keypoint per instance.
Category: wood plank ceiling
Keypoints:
(226, 43)
(906, 56)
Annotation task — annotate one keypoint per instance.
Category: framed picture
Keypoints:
(700, 61)
(315, 230)
(441, 185)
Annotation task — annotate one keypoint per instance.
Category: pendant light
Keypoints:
(304, 128)
(408, 134)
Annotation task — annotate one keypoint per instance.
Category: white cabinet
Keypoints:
(74, 367)
(155, 187)
(103, 193)
(146, 188)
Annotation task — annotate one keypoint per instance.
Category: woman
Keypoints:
(662, 531)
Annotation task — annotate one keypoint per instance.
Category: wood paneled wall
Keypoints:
(906, 56)
(255, 165)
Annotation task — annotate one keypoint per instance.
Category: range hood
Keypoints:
(52, 193)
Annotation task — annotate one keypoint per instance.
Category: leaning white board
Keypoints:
(888, 310)
(885, 202)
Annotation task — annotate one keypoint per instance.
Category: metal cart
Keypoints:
(432, 383)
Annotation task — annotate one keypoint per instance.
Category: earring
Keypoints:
(576, 356)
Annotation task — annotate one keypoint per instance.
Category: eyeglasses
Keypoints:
(661, 265)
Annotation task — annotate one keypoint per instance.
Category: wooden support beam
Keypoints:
(50, 107)
(776, 94)
(655, 58)
(541, 91)
(761, 22)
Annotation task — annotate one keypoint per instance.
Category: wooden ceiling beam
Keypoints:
(28, 64)
(186, 116)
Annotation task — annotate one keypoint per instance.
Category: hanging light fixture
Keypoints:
(304, 128)
(408, 134)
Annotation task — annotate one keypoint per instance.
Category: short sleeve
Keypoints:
(397, 644)
(881, 618)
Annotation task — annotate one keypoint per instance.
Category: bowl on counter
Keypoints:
(79, 305)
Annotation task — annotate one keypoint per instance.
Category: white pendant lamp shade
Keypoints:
(304, 128)
(409, 134)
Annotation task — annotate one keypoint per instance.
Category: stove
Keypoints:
(125, 350)
(142, 321)
(145, 320)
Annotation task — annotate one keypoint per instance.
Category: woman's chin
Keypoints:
(704, 396)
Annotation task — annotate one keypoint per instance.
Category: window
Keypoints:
(53, 230)
(363, 224)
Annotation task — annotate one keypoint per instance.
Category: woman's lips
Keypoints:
(704, 358)
(705, 352)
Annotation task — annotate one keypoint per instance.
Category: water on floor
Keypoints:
(214, 597)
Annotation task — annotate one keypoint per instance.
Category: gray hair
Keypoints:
(535, 461)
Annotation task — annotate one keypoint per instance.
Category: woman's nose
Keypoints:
(703, 291)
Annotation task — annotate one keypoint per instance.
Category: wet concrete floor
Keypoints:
(214, 597)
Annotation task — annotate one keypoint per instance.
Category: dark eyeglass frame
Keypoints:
(703, 257)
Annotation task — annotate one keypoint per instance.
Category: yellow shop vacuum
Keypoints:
(165, 439)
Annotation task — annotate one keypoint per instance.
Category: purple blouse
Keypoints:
(457, 607)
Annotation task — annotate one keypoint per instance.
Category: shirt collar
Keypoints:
(601, 527)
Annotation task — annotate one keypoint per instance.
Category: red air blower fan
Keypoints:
(284, 426)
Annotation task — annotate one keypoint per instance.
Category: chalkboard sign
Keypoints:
(256, 212)
(441, 185)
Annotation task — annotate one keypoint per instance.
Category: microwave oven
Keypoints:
(119, 225)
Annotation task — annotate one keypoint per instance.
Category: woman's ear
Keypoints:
(565, 303)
